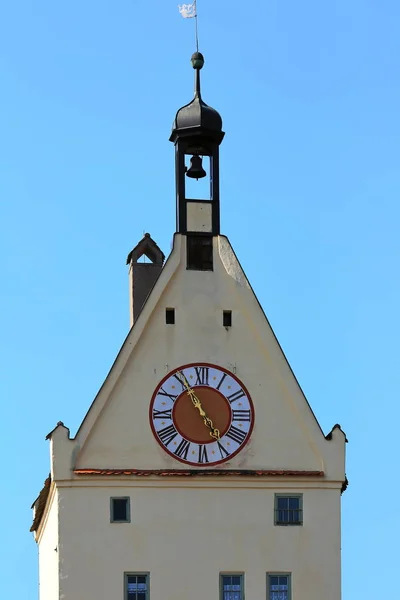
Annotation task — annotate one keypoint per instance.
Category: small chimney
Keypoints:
(142, 275)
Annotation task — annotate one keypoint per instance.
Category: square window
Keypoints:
(231, 586)
(199, 253)
(288, 509)
(170, 316)
(136, 586)
(278, 586)
(120, 510)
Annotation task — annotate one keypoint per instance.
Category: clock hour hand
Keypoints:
(214, 432)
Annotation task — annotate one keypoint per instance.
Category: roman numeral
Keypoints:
(235, 396)
(180, 377)
(237, 435)
(221, 381)
(172, 397)
(167, 434)
(223, 451)
(202, 375)
(203, 458)
(240, 415)
(182, 449)
(163, 414)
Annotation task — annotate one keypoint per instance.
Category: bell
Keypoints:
(196, 170)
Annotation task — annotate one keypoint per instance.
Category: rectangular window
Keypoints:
(278, 586)
(120, 510)
(232, 586)
(288, 509)
(199, 253)
(227, 318)
(136, 586)
(170, 316)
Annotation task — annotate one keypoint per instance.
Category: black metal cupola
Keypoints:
(197, 133)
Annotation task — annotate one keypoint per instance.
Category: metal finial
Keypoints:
(197, 60)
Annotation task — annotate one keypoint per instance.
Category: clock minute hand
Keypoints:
(214, 432)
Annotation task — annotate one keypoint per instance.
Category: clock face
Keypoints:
(201, 414)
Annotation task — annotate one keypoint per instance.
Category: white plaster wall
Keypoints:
(186, 531)
(286, 434)
(185, 536)
(49, 553)
(199, 215)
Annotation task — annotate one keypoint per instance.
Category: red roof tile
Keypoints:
(198, 472)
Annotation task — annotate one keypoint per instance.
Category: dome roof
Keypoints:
(197, 117)
(198, 114)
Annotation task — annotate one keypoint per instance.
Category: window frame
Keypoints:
(197, 240)
(128, 509)
(230, 574)
(289, 523)
(145, 574)
(279, 574)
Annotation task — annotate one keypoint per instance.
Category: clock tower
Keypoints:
(199, 469)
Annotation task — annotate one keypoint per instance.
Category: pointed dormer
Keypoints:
(197, 133)
(143, 275)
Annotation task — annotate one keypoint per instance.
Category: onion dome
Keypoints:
(197, 118)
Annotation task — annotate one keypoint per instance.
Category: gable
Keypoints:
(116, 432)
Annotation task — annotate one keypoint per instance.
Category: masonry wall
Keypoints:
(186, 536)
(286, 435)
(184, 530)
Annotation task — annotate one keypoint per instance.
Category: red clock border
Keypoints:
(213, 366)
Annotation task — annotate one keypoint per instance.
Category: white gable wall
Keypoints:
(286, 434)
(186, 530)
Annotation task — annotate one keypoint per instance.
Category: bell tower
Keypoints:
(199, 468)
(197, 133)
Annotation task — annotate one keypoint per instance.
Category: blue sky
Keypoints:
(309, 93)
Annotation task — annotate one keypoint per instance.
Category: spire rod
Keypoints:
(196, 28)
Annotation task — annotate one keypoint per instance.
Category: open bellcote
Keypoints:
(197, 133)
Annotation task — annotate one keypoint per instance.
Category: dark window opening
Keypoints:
(288, 510)
(120, 510)
(170, 316)
(137, 587)
(227, 318)
(279, 587)
(199, 253)
(231, 587)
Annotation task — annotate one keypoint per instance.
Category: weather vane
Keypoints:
(189, 11)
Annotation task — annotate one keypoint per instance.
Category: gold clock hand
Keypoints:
(197, 404)
(214, 432)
